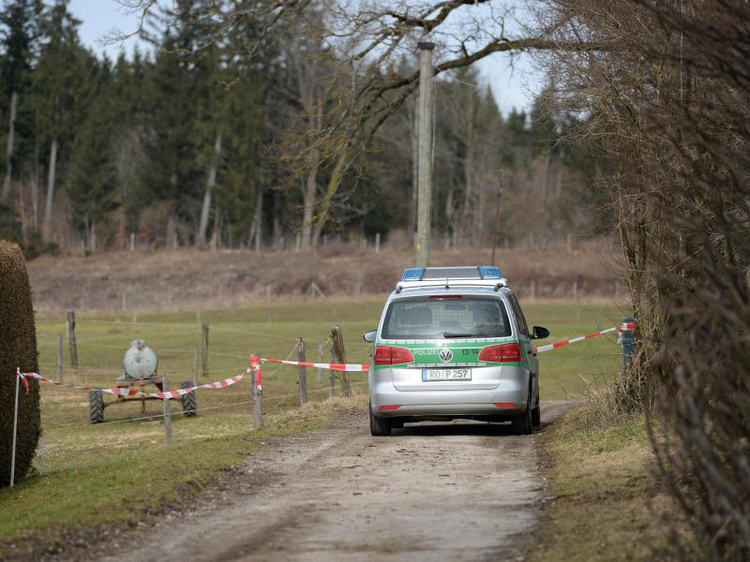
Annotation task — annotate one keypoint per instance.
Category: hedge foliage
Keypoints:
(17, 349)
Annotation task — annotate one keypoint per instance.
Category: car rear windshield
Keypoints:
(454, 316)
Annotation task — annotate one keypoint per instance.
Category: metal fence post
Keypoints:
(302, 372)
(15, 433)
(257, 398)
(626, 338)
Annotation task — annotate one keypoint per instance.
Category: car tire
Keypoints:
(523, 424)
(536, 415)
(379, 427)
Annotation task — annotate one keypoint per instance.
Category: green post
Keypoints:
(626, 338)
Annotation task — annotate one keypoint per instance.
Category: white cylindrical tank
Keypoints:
(140, 361)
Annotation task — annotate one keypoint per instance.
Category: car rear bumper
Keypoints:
(495, 402)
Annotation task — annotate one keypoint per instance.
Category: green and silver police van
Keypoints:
(453, 343)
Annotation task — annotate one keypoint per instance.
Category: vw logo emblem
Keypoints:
(446, 355)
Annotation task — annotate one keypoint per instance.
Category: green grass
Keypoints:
(605, 502)
(110, 472)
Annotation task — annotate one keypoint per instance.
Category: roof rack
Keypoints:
(445, 277)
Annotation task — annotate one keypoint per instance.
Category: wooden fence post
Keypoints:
(302, 372)
(268, 303)
(167, 411)
(338, 345)
(257, 398)
(195, 367)
(204, 349)
(377, 241)
(319, 378)
(72, 339)
(59, 358)
(332, 374)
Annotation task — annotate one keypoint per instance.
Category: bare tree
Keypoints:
(670, 103)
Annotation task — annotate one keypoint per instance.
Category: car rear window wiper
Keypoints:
(458, 335)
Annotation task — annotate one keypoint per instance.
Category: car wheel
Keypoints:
(379, 427)
(536, 415)
(523, 424)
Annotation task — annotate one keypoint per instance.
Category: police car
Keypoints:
(453, 343)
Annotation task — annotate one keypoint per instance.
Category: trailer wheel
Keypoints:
(188, 401)
(96, 406)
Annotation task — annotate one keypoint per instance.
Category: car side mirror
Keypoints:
(370, 335)
(539, 333)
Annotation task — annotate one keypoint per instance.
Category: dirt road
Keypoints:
(461, 491)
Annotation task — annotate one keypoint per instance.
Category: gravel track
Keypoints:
(459, 491)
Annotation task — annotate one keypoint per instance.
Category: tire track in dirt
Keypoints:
(459, 491)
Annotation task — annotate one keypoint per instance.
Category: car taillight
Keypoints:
(504, 353)
(387, 355)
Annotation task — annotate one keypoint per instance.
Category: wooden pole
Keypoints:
(268, 303)
(377, 241)
(204, 350)
(302, 372)
(424, 204)
(319, 378)
(337, 338)
(195, 367)
(72, 339)
(332, 374)
(257, 398)
(167, 411)
(59, 358)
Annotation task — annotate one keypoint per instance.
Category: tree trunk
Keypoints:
(311, 189)
(46, 228)
(9, 150)
(277, 232)
(468, 228)
(35, 189)
(258, 219)
(203, 226)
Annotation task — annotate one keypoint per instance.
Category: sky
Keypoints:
(514, 87)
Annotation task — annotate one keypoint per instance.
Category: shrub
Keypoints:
(17, 349)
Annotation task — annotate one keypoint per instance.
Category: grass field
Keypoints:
(112, 471)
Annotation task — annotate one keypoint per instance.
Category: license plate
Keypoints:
(446, 375)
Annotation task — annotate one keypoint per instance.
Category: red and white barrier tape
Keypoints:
(132, 392)
(352, 367)
(551, 346)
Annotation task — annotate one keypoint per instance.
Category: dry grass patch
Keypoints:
(605, 503)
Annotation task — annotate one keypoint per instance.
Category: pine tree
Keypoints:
(58, 80)
(92, 187)
(19, 21)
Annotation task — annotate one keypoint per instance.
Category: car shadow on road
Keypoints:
(460, 428)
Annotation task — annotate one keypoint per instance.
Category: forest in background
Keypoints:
(195, 141)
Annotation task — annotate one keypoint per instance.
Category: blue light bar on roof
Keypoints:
(490, 272)
(413, 274)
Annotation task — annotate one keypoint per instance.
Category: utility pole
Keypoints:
(424, 204)
(497, 218)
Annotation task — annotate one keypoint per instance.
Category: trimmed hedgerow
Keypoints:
(17, 349)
